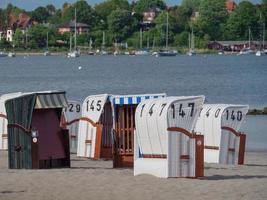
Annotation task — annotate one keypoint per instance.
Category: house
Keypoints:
(70, 27)
(230, 5)
(149, 17)
(9, 35)
(23, 21)
(195, 15)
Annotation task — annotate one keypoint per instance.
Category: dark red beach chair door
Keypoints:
(51, 147)
(107, 125)
(124, 136)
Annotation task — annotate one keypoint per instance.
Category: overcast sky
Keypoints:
(32, 4)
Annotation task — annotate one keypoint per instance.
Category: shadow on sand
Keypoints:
(254, 165)
(11, 192)
(221, 177)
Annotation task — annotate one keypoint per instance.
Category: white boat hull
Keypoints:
(74, 54)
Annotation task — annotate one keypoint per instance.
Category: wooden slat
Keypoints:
(242, 147)
(127, 130)
(211, 147)
(19, 127)
(89, 121)
(98, 141)
(199, 156)
(3, 116)
(181, 130)
(231, 149)
(123, 127)
(184, 157)
(71, 122)
(132, 126)
(231, 130)
(88, 141)
(118, 130)
(160, 156)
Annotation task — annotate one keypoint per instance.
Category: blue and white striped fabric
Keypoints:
(133, 99)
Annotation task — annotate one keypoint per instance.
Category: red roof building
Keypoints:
(230, 5)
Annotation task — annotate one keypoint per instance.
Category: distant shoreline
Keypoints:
(258, 111)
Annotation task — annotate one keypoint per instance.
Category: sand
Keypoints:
(89, 179)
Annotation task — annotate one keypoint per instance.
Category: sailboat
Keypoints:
(141, 51)
(191, 41)
(74, 53)
(166, 51)
(247, 50)
(103, 52)
(47, 53)
(12, 54)
(91, 53)
(263, 40)
(263, 50)
(3, 54)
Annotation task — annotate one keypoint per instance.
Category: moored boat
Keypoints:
(11, 54)
(3, 54)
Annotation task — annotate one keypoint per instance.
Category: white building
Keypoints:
(9, 35)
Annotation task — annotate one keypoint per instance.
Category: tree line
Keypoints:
(122, 22)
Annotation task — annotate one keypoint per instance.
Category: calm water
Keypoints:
(222, 79)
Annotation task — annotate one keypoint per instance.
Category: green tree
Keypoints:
(56, 18)
(104, 9)
(161, 27)
(51, 9)
(143, 5)
(213, 15)
(40, 14)
(18, 38)
(182, 39)
(37, 36)
(85, 14)
(244, 17)
(121, 24)
(191, 5)
(2, 19)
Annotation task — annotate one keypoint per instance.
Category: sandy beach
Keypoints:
(89, 179)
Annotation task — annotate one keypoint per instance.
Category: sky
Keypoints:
(32, 4)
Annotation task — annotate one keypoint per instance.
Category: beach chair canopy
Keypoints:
(20, 109)
(215, 116)
(158, 125)
(133, 99)
(154, 117)
(213, 120)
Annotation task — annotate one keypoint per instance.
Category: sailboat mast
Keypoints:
(75, 32)
(263, 36)
(70, 43)
(141, 38)
(47, 41)
(90, 44)
(103, 40)
(193, 39)
(189, 41)
(167, 30)
(249, 35)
